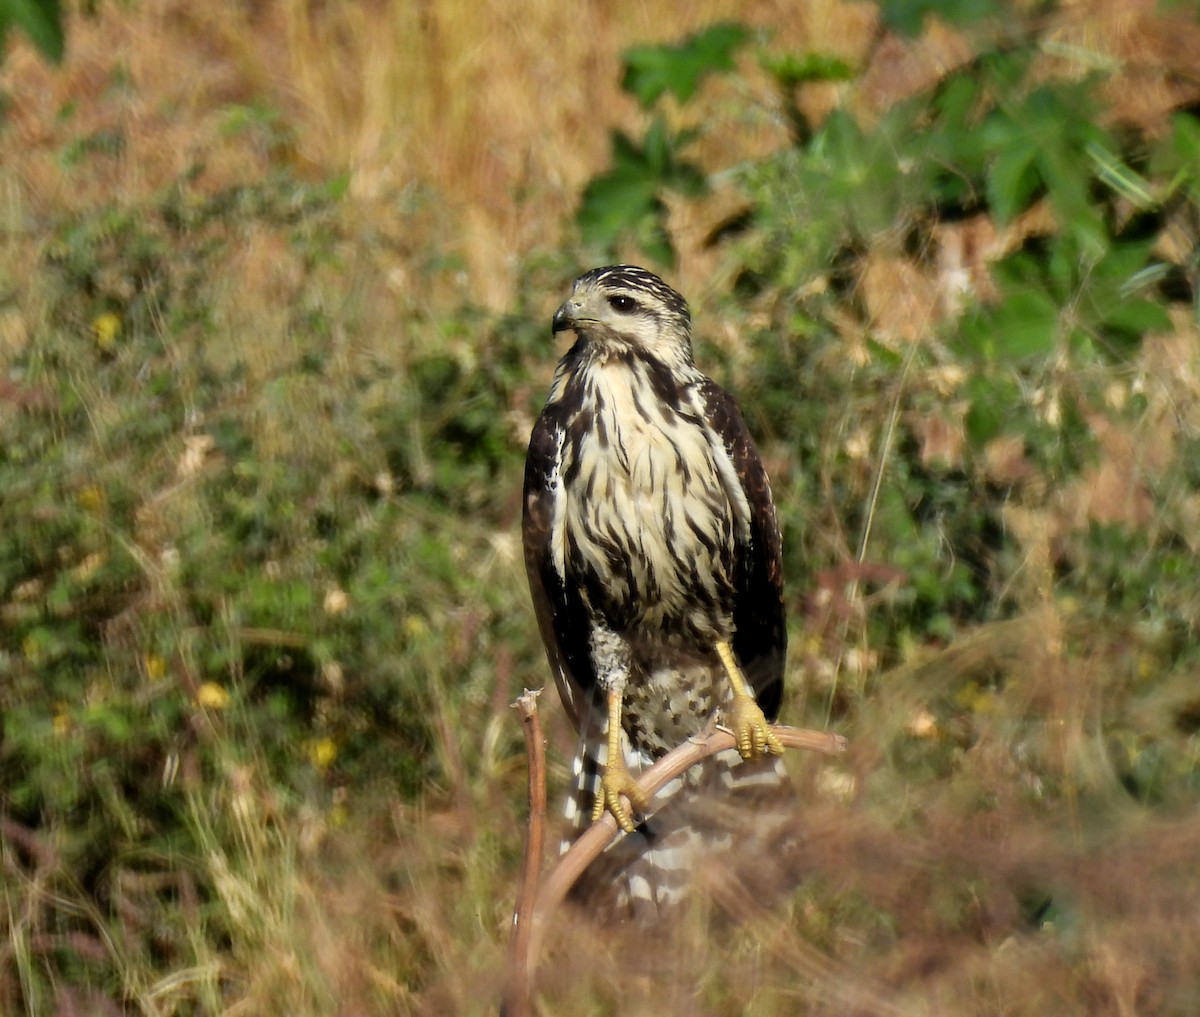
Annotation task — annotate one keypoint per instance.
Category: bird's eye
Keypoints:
(621, 303)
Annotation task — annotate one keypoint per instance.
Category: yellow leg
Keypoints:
(616, 779)
(746, 719)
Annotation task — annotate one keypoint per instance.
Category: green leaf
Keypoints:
(956, 100)
(1067, 185)
(1120, 176)
(626, 155)
(1058, 123)
(1022, 327)
(1011, 180)
(908, 16)
(842, 143)
(1006, 70)
(993, 405)
(338, 187)
(1137, 317)
(651, 236)
(652, 70)
(1178, 155)
(613, 202)
(1110, 305)
(795, 69)
(1061, 268)
(1025, 326)
(1121, 265)
(41, 20)
(658, 148)
(884, 355)
(626, 199)
(1185, 135)
(687, 179)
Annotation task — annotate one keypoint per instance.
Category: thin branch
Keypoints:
(517, 994)
(587, 848)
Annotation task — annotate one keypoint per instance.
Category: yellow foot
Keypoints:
(614, 782)
(750, 729)
(749, 725)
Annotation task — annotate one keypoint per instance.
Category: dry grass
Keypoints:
(975, 853)
(996, 887)
(504, 115)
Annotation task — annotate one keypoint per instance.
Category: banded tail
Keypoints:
(715, 812)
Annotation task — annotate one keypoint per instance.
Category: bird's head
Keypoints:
(625, 309)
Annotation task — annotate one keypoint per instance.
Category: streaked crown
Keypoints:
(623, 307)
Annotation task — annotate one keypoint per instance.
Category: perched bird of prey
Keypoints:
(653, 557)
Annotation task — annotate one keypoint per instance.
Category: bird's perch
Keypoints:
(519, 969)
(535, 903)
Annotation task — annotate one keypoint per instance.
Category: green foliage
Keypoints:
(1178, 157)
(627, 200)
(652, 70)
(791, 69)
(908, 16)
(998, 140)
(231, 552)
(41, 20)
(1095, 306)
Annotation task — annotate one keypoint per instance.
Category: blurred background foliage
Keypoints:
(274, 330)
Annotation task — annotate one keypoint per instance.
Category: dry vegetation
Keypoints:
(503, 113)
(275, 282)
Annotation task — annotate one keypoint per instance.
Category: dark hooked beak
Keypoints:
(564, 319)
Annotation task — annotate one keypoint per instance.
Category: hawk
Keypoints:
(652, 551)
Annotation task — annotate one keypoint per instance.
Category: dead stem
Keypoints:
(517, 993)
(530, 923)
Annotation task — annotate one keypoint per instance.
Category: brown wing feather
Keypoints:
(562, 620)
(760, 639)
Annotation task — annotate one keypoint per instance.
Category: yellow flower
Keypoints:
(414, 626)
(106, 327)
(213, 696)
(977, 700)
(90, 498)
(33, 646)
(156, 667)
(62, 721)
(322, 752)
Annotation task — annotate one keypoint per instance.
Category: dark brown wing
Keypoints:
(562, 620)
(760, 639)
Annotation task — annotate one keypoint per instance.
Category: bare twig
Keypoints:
(587, 848)
(516, 1002)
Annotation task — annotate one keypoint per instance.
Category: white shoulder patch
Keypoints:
(558, 515)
